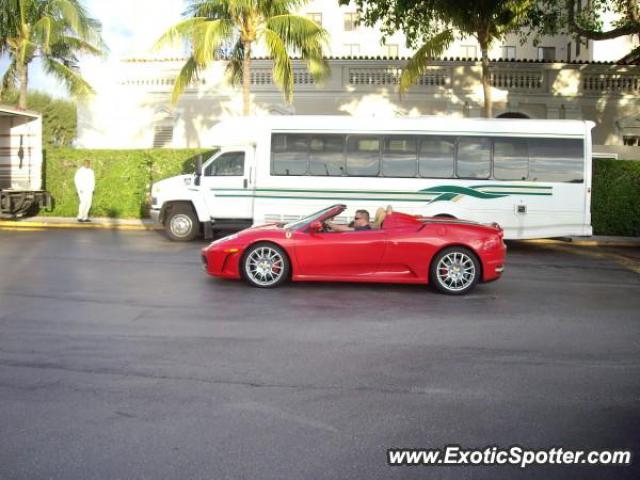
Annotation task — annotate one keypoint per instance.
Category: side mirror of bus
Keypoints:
(198, 173)
(315, 227)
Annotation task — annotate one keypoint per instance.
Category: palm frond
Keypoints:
(209, 9)
(298, 32)
(301, 34)
(70, 44)
(271, 8)
(71, 78)
(188, 72)
(42, 31)
(207, 38)
(179, 31)
(417, 64)
(282, 65)
(70, 14)
(10, 77)
(234, 64)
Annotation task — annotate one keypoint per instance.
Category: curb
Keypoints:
(104, 226)
(583, 243)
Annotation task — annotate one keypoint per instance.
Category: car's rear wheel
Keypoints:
(455, 271)
(265, 265)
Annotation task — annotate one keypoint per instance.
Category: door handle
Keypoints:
(245, 183)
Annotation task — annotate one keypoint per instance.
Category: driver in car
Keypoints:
(360, 222)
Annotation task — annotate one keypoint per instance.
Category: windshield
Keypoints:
(309, 219)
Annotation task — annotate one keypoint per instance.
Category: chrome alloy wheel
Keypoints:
(456, 271)
(181, 225)
(265, 266)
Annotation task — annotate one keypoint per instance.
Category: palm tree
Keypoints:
(212, 24)
(486, 20)
(54, 30)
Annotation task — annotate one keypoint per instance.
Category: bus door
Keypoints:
(228, 184)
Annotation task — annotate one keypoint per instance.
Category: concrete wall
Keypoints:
(132, 110)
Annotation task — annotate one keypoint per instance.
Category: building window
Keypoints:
(509, 52)
(350, 21)
(352, 49)
(316, 17)
(578, 45)
(469, 51)
(547, 53)
(391, 51)
(569, 52)
(162, 136)
(632, 140)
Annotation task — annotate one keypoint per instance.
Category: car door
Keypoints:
(228, 184)
(340, 254)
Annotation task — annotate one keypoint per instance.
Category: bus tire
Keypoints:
(181, 223)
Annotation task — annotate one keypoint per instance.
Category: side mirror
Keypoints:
(198, 173)
(315, 227)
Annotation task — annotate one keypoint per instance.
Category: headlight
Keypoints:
(225, 239)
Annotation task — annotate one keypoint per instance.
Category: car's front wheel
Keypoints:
(265, 265)
(455, 271)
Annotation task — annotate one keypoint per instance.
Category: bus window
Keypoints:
(289, 154)
(399, 157)
(363, 156)
(435, 157)
(556, 160)
(474, 157)
(510, 159)
(326, 156)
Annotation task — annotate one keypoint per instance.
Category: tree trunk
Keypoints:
(486, 81)
(246, 80)
(23, 79)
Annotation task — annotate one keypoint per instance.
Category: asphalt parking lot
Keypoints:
(119, 358)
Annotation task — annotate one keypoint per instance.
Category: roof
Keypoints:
(240, 130)
(6, 110)
(622, 61)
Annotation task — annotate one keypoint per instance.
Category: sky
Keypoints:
(129, 28)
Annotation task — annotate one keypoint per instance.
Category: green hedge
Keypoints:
(615, 199)
(123, 178)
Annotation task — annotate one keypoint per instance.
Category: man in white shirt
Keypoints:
(85, 182)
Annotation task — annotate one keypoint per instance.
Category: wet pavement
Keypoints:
(119, 358)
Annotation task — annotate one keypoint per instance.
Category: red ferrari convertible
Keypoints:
(452, 255)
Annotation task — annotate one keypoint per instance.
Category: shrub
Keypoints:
(615, 201)
(123, 178)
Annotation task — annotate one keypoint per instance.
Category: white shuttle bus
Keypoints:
(533, 177)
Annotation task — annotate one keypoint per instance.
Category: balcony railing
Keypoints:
(523, 78)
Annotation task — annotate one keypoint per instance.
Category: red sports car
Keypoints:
(452, 255)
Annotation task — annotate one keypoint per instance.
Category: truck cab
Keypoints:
(198, 203)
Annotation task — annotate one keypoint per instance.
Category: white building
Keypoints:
(132, 106)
